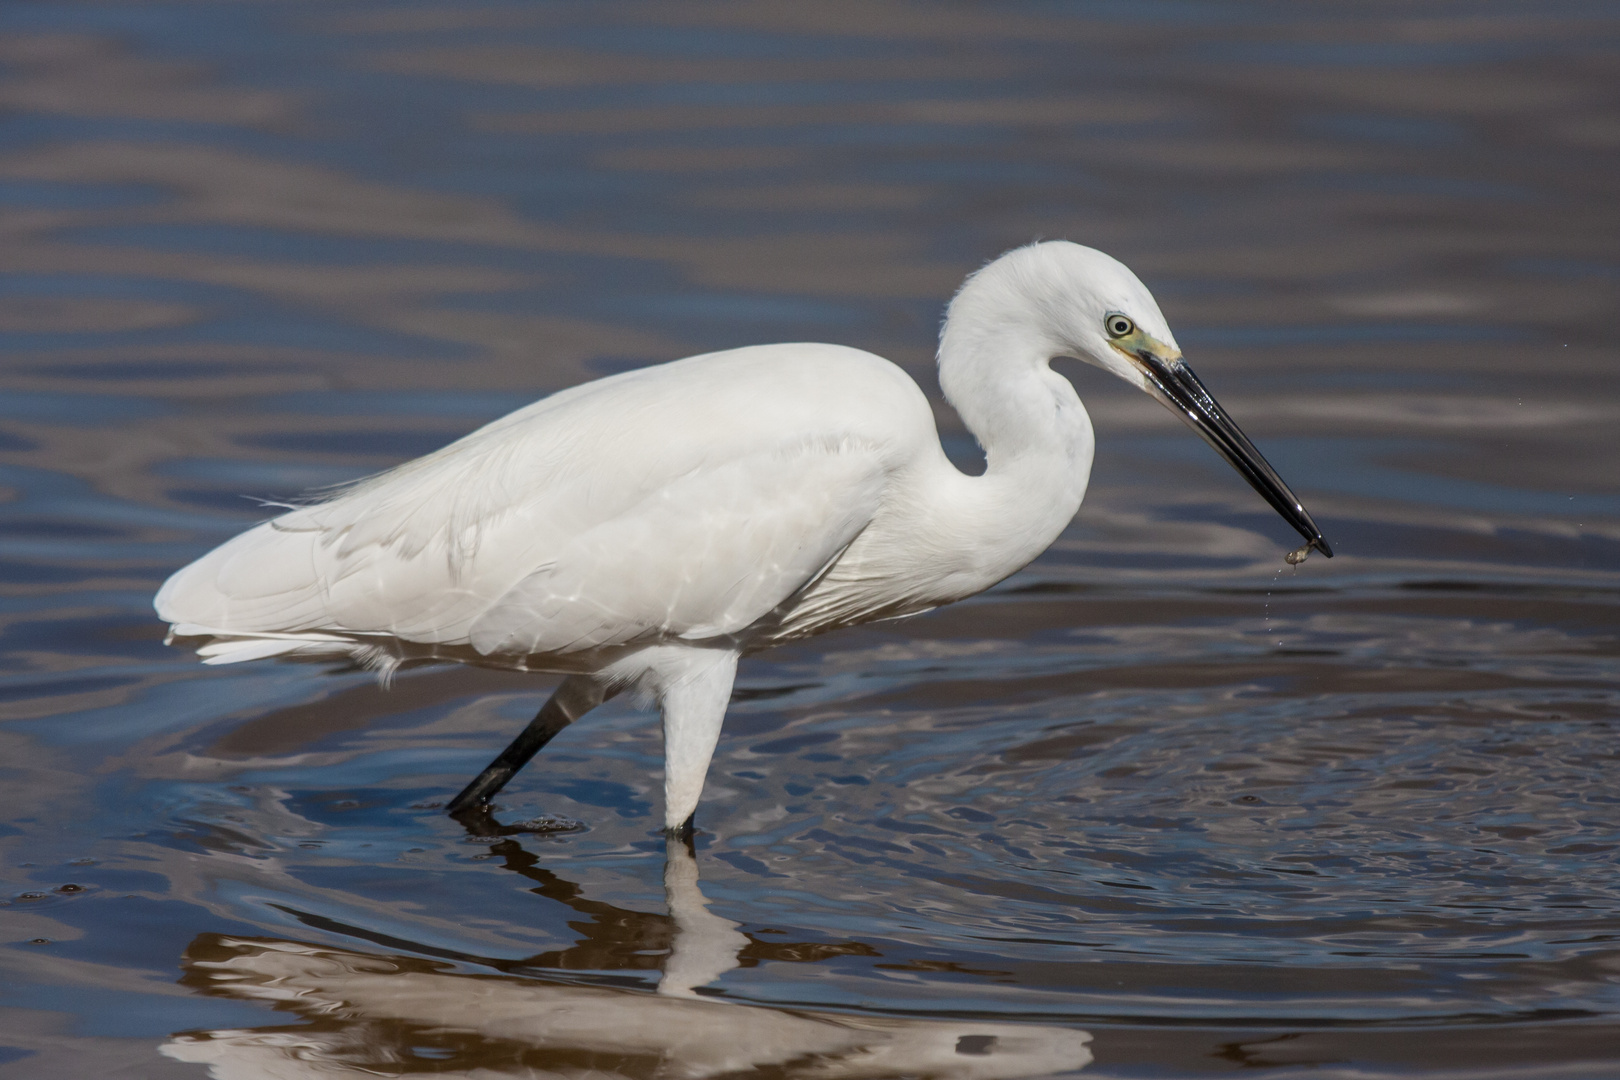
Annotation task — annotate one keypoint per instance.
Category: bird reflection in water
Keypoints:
(366, 1013)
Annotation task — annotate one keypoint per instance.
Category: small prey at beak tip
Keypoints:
(1172, 382)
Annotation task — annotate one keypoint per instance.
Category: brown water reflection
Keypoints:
(1218, 813)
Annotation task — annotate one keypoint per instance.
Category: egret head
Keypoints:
(1082, 303)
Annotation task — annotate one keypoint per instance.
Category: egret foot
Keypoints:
(684, 836)
(481, 824)
(479, 821)
(685, 832)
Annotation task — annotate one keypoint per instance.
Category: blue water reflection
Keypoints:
(1157, 806)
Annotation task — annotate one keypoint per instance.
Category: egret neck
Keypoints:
(1036, 436)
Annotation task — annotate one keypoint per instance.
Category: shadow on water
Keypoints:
(1357, 818)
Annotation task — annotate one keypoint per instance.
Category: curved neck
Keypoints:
(1037, 441)
(999, 380)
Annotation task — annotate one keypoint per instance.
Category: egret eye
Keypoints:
(1118, 326)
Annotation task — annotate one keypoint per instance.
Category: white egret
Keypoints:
(648, 529)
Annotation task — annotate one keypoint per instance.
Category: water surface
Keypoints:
(1159, 806)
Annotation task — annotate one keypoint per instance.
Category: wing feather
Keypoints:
(688, 500)
(705, 556)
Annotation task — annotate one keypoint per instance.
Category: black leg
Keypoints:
(577, 696)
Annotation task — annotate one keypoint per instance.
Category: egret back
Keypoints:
(685, 500)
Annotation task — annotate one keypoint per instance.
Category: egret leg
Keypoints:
(576, 696)
(694, 703)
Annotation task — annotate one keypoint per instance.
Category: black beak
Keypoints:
(1174, 384)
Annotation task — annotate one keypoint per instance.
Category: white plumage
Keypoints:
(648, 528)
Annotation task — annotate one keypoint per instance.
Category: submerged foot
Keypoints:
(480, 822)
(684, 832)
